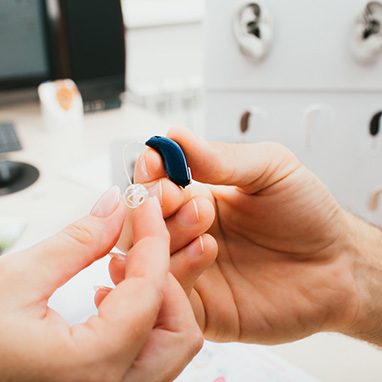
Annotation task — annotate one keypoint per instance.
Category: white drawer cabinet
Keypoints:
(311, 48)
(309, 93)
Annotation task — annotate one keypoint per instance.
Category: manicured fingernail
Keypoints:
(156, 190)
(196, 248)
(118, 256)
(142, 168)
(189, 214)
(101, 288)
(107, 204)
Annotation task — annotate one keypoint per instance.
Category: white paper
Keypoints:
(240, 363)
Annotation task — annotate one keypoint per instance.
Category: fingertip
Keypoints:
(117, 269)
(178, 132)
(196, 217)
(170, 196)
(210, 248)
(148, 221)
(192, 220)
(115, 221)
(200, 156)
(185, 136)
(191, 262)
(206, 211)
(119, 213)
(101, 294)
(207, 256)
(149, 167)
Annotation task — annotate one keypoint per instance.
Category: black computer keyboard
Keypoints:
(8, 138)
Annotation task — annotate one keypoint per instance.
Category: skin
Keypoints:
(291, 262)
(188, 217)
(281, 260)
(118, 344)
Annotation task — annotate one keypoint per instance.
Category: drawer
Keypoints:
(335, 144)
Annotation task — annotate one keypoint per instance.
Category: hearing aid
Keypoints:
(175, 165)
(174, 160)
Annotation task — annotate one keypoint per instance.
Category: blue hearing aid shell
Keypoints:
(174, 160)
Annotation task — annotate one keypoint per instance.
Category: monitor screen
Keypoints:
(24, 53)
(95, 38)
(96, 46)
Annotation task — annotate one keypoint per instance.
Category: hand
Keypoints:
(146, 311)
(188, 217)
(285, 268)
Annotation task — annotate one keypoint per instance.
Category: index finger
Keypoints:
(149, 167)
(129, 312)
(252, 167)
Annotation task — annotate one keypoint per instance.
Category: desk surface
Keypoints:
(54, 202)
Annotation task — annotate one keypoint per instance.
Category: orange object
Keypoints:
(65, 95)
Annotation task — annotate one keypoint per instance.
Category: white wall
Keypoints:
(165, 57)
(149, 13)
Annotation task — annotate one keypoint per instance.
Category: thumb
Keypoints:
(128, 313)
(252, 167)
(50, 264)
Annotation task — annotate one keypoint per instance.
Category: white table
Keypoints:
(54, 202)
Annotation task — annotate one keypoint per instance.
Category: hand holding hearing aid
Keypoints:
(188, 216)
(134, 319)
(291, 261)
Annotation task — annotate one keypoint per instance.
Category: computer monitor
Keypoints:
(24, 44)
(83, 40)
(92, 42)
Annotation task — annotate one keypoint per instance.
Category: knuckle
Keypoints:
(196, 341)
(149, 292)
(80, 233)
(281, 150)
(158, 241)
(155, 291)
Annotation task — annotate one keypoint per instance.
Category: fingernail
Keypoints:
(196, 248)
(189, 214)
(103, 288)
(142, 168)
(118, 256)
(107, 204)
(156, 190)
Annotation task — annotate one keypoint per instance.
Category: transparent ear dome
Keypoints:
(135, 195)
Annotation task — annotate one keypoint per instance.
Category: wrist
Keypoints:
(364, 249)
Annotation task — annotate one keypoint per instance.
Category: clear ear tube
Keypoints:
(135, 194)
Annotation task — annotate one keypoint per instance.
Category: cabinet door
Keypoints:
(334, 142)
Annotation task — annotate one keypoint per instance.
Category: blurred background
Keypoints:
(82, 81)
